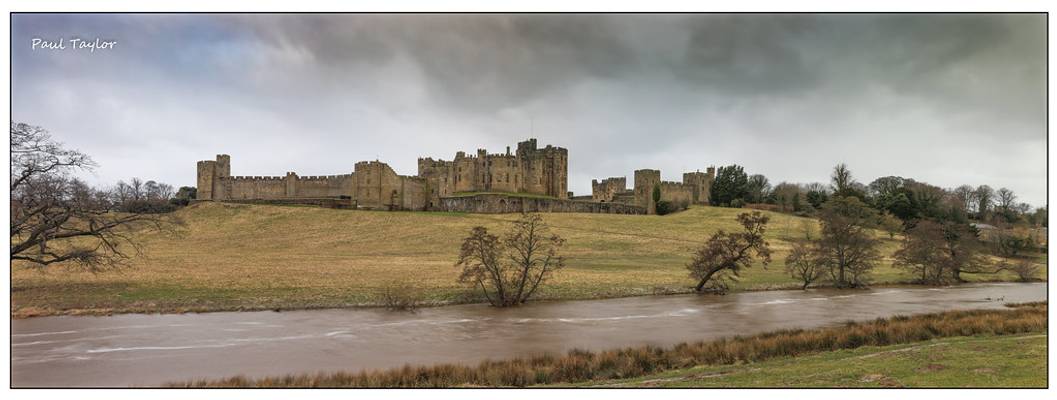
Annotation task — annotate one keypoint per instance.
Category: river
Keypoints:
(146, 350)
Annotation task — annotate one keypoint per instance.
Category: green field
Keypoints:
(981, 361)
(253, 257)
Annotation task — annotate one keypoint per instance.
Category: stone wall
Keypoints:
(372, 185)
(377, 186)
(250, 187)
(677, 193)
(499, 204)
(605, 190)
(327, 202)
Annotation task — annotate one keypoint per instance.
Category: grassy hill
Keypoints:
(232, 257)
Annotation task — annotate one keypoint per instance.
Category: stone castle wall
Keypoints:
(605, 190)
(694, 189)
(499, 203)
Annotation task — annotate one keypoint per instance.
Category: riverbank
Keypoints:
(1006, 361)
(231, 257)
(835, 352)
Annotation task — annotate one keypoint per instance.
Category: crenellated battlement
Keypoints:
(252, 178)
(324, 177)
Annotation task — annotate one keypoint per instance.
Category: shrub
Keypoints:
(1026, 270)
(1009, 244)
(147, 206)
(665, 207)
(400, 297)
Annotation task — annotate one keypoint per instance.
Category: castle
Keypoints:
(527, 180)
(694, 189)
(374, 185)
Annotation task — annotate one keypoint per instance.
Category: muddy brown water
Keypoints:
(146, 350)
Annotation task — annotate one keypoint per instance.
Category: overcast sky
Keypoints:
(946, 99)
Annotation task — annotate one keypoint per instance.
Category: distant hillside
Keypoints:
(265, 257)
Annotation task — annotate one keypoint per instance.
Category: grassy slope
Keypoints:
(981, 361)
(231, 257)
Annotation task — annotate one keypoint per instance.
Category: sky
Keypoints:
(945, 99)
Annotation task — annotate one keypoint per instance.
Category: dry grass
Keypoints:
(581, 366)
(257, 257)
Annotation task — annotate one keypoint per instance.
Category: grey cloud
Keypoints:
(785, 95)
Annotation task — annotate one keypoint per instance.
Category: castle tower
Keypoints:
(209, 172)
(700, 184)
(223, 166)
(290, 184)
(645, 181)
(544, 171)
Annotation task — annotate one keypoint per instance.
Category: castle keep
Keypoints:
(529, 170)
(529, 179)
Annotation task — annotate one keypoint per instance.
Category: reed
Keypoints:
(581, 366)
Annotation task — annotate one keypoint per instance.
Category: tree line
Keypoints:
(903, 198)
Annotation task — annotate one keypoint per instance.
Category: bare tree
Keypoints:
(985, 197)
(939, 253)
(759, 188)
(165, 191)
(842, 179)
(150, 190)
(847, 246)
(1026, 270)
(1006, 199)
(56, 218)
(122, 192)
(922, 254)
(966, 196)
(136, 189)
(508, 271)
(803, 262)
(725, 254)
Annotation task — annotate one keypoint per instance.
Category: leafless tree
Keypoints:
(508, 271)
(938, 253)
(803, 262)
(725, 254)
(966, 196)
(921, 254)
(150, 190)
(1026, 270)
(56, 218)
(1006, 199)
(122, 192)
(136, 189)
(985, 197)
(847, 246)
(841, 178)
